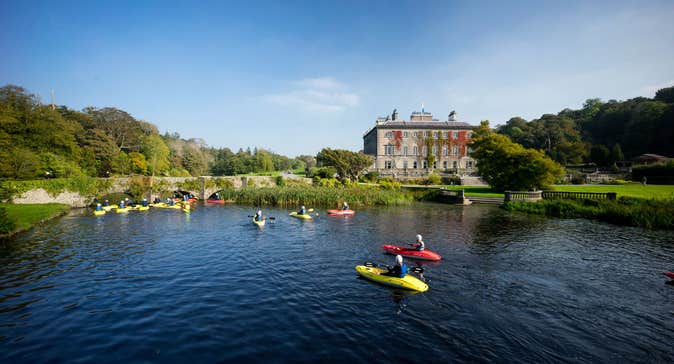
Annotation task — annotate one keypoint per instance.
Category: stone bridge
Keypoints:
(201, 187)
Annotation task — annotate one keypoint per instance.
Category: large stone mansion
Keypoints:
(401, 148)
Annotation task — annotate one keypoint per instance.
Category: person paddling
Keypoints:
(106, 203)
(399, 270)
(258, 216)
(303, 211)
(121, 204)
(345, 206)
(98, 207)
(144, 202)
(419, 244)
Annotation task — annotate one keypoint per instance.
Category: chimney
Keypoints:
(452, 116)
(395, 114)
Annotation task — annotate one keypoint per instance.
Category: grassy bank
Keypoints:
(647, 213)
(627, 190)
(22, 217)
(292, 196)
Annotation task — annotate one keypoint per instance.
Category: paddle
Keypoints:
(270, 217)
(418, 270)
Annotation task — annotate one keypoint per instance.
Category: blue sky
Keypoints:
(295, 76)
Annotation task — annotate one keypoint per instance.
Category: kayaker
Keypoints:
(144, 202)
(303, 211)
(106, 203)
(98, 207)
(186, 197)
(345, 206)
(419, 245)
(217, 196)
(170, 202)
(121, 204)
(258, 216)
(156, 200)
(399, 270)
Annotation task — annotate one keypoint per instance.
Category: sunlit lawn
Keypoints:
(628, 190)
(26, 215)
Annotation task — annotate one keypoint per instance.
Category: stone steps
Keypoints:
(485, 200)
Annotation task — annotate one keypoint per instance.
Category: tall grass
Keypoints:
(25, 216)
(291, 196)
(647, 213)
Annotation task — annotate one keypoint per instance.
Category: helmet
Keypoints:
(302, 206)
(399, 259)
(98, 204)
(259, 212)
(419, 238)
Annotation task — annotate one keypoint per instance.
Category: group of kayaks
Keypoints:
(180, 205)
(307, 216)
(409, 281)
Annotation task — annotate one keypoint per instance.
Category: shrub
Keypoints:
(433, 179)
(389, 183)
(6, 224)
(280, 181)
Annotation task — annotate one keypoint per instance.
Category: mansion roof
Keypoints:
(437, 125)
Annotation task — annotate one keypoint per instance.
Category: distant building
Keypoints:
(649, 159)
(401, 148)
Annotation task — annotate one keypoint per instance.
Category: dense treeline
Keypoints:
(39, 140)
(601, 132)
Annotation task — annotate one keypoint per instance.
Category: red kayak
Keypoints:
(340, 212)
(411, 252)
(215, 201)
(669, 274)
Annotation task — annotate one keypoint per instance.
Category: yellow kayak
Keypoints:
(301, 216)
(99, 213)
(259, 223)
(408, 282)
(109, 207)
(141, 208)
(122, 211)
(164, 205)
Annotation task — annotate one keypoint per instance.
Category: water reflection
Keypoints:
(210, 286)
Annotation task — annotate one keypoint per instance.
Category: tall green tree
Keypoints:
(509, 166)
(348, 164)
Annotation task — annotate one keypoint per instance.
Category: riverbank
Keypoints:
(18, 218)
(628, 211)
(293, 196)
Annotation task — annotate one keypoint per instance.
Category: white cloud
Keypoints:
(316, 95)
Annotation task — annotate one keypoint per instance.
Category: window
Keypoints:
(455, 150)
(405, 164)
(446, 135)
(444, 164)
(388, 164)
(389, 134)
(435, 164)
(435, 150)
(388, 149)
(405, 134)
(415, 151)
(469, 135)
(424, 151)
(444, 150)
(414, 164)
(405, 150)
(428, 133)
(456, 135)
(415, 134)
(455, 164)
(435, 134)
(425, 164)
(469, 164)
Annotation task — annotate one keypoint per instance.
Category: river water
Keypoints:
(164, 286)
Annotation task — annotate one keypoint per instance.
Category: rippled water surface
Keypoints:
(163, 286)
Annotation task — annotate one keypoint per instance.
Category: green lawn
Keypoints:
(476, 191)
(628, 190)
(27, 215)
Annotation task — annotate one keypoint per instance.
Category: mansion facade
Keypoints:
(419, 146)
